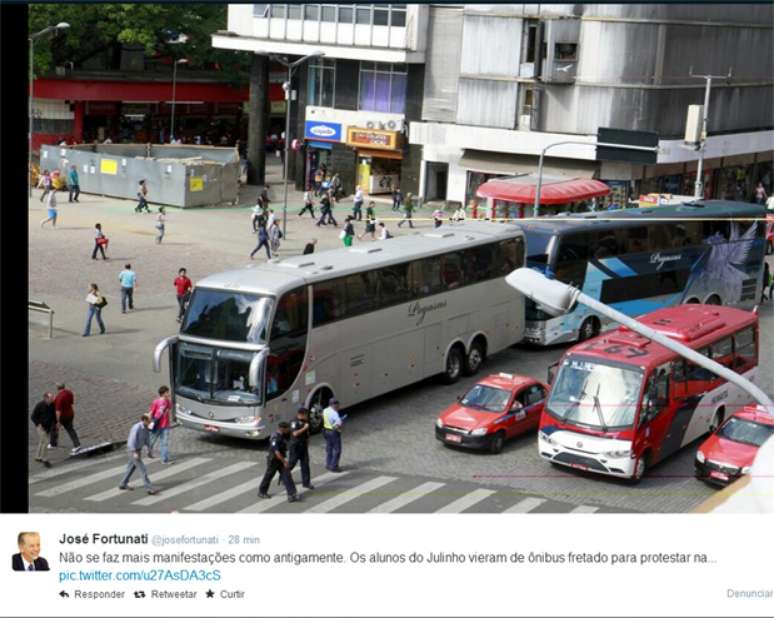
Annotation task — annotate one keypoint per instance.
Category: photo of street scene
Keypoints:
(399, 258)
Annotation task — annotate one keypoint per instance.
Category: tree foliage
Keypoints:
(107, 28)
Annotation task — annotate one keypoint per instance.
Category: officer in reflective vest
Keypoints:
(277, 462)
(332, 431)
(299, 446)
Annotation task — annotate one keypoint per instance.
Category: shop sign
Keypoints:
(322, 131)
(372, 138)
(276, 107)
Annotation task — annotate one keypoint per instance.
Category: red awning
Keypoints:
(521, 189)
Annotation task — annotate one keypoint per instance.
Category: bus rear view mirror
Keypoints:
(551, 373)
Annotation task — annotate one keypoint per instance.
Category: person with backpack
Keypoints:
(96, 303)
(160, 412)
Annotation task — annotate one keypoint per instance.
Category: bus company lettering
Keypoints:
(657, 258)
(418, 309)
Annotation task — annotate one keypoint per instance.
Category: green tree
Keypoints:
(106, 28)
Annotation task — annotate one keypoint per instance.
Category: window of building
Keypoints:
(346, 15)
(381, 15)
(312, 12)
(294, 11)
(382, 87)
(278, 10)
(321, 82)
(328, 12)
(398, 15)
(530, 40)
(363, 13)
(565, 51)
(260, 10)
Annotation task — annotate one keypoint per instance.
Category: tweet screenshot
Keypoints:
(387, 309)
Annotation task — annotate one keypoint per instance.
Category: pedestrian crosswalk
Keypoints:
(215, 484)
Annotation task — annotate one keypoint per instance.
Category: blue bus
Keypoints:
(641, 259)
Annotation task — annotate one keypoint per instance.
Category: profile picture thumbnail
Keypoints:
(28, 558)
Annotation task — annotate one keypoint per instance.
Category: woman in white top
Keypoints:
(51, 206)
(96, 302)
(160, 225)
(274, 238)
(459, 215)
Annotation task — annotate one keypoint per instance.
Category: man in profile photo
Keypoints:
(28, 558)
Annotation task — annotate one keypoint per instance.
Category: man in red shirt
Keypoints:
(183, 287)
(64, 404)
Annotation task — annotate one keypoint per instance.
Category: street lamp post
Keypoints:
(557, 298)
(60, 26)
(291, 66)
(174, 86)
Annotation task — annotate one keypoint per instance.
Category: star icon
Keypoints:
(210, 594)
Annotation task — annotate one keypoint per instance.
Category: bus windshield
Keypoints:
(746, 432)
(595, 395)
(215, 375)
(228, 315)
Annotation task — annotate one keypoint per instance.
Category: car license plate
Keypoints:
(450, 437)
(211, 428)
(579, 466)
(718, 475)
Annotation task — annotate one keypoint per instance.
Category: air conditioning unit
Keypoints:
(391, 125)
(370, 124)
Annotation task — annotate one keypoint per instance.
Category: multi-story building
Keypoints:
(439, 98)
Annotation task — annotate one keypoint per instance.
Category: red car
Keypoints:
(729, 452)
(499, 407)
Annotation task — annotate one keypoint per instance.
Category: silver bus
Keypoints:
(354, 323)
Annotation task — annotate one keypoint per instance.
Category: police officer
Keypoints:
(332, 422)
(277, 462)
(299, 446)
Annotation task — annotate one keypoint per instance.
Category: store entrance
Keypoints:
(378, 175)
(437, 176)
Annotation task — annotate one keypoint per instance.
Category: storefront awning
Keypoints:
(379, 154)
(553, 190)
(320, 145)
(502, 163)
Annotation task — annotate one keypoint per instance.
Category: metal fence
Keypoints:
(183, 176)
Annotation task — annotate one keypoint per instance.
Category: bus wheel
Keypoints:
(453, 366)
(589, 329)
(717, 420)
(316, 407)
(640, 468)
(714, 300)
(474, 359)
(497, 443)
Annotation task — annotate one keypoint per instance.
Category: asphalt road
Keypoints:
(391, 458)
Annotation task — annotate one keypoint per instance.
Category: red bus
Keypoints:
(621, 402)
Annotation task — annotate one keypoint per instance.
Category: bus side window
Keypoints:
(292, 314)
(637, 239)
(451, 270)
(657, 392)
(694, 373)
(723, 352)
(720, 228)
(361, 293)
(393, 287)
(328, 301)
(572, 258)
(745, 352)
(510, 255)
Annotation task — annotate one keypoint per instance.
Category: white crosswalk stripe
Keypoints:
(266, 503)
(466, 501)
(66, 468)
(173, 469)
(406, 497)
(223, 496)
(351, 494)
(526, 505)
(585, 509)
(203, 480)
(87, 480)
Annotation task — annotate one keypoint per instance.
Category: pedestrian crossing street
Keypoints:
(198, 484)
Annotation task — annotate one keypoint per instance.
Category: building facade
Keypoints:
(440, 98)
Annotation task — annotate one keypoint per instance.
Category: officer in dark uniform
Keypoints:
(277, 462)
(299, 446)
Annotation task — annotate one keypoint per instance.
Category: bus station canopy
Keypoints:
(553, 189)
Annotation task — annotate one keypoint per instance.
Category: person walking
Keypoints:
(357, 205)
(44, 183)
(161, 221)
(370, 226)
(397, 198)
(264, 198)
(408, 212)
(100, 242)
(326, 215)
(760, 193)
(336, 186)
(437, 218)
(139, 436)
(256, 216)
(459, 215)
(332, 423)
(183, 286)
(72, 184)
(318, 180)
(96, 302)
(263, 241)
(64, 409)
(348, 233)
(308, 203)
(276, 461)
(160, 411)
(128, 279)
(309, 247)
(270, 218)
(142, 194)
(766, 281)
(275, 234)
(51, 209)
(299, 446)
(44, 418)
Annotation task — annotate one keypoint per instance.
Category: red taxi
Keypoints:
(729, 452)
(499, 407)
